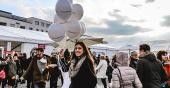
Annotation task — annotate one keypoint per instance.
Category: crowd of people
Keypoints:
(82, 69)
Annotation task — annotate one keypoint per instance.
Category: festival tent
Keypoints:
(128, 48)
(88, 40)
(23, 35)
(103, 49)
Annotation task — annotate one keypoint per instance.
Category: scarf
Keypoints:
(75, 69)
(42, 63)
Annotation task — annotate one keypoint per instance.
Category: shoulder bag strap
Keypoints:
(120, 78)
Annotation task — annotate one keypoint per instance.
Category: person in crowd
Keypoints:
(124, 76)
(12, 70)
(133, 59)
(109, 70)
(149, 69)
(39, 69)
(101, 71)
(23, 61)
(30, 75)
(65, 60)
(163, 57)
(97, 59)
(54, 71)
(65, 63)
(3, 67)
(67, 56)
(18, 60)
(82, 71)
(107, 59)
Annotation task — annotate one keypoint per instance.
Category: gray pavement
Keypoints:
(25, 86)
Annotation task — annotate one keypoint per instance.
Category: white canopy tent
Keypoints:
(22, 35)
(129, 48)
(103, 48)
(88, 40)
(25, 39)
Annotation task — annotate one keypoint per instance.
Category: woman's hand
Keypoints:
(13, 77)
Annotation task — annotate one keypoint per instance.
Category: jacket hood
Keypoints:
(122, 59)
(149, 56)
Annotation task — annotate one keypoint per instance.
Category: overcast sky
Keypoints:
(117, 21)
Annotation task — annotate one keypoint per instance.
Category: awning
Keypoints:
(23, 35)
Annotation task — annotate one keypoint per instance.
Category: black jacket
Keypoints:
(133, 63)
(85, 78)
(150, 71)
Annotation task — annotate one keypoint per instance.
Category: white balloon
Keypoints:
(63, 9)
(77, 12)
(58, 20)
(71, 1)
(56, 32)
(83, 28)
(73, 29)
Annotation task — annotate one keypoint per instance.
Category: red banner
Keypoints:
(41, 46)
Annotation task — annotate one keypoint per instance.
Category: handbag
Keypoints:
(2, 74)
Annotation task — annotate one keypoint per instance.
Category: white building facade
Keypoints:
(37, 28)
(32, 23)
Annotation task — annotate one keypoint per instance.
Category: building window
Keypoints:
(12, 25)
(36, 22)
(42, 24)
(22, 27)
(17, 24)
(30, 28)
(2, 23)
(47, 25)
(37, 29)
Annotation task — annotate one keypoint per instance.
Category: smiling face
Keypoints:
(78, 50)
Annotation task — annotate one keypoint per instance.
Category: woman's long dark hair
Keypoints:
(159, 55)
(86, 53)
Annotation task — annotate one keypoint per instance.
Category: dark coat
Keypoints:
(133, 63)
(34, 70)
(150, 71)
(85, 78)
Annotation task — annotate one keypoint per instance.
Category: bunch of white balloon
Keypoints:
(66, 21)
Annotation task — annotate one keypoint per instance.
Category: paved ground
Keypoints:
(48, 83)
(24, 85)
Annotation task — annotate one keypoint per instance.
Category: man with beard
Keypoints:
(38, 68)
